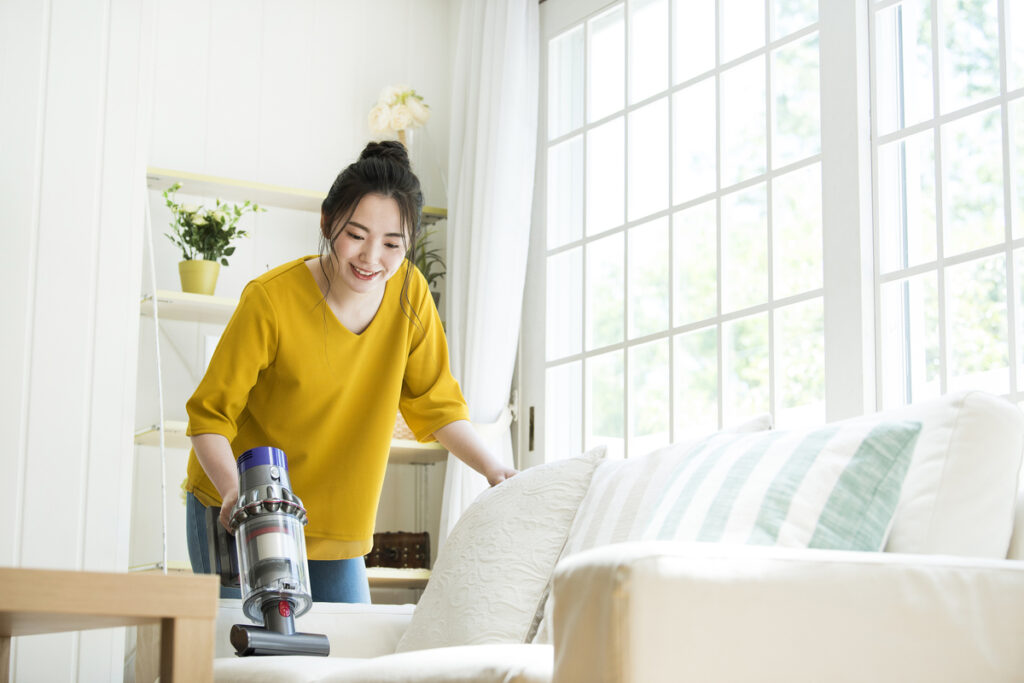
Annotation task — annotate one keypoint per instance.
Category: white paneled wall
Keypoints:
(73, 130)
(278, 92)
(93, 92)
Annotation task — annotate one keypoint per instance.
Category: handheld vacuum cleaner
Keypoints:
(269, 564)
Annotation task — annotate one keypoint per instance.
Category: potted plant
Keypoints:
(204, 237)
(430, 263)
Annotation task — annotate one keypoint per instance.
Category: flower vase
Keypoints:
(198, 277)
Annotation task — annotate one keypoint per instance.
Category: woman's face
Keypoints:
(371, 247)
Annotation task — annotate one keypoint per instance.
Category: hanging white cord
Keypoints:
(159, 387)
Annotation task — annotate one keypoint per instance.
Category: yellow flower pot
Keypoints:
(198, 277)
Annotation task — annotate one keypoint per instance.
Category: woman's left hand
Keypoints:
(462, 441)
(499, 475)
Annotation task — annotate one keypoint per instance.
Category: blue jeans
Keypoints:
(329, 580)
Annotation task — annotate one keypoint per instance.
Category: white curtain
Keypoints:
(491, 167)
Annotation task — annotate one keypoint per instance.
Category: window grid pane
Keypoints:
(606, 73)
(648, 48)
(657, 360)
(944, 293)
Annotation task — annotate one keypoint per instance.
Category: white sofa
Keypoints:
(640, 595)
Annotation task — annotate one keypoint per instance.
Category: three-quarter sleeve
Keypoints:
(246, 348)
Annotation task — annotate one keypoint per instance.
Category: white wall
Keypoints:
(271, 91)
(72, 131)
(279, 92)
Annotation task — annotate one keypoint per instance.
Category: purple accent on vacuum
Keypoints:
(262, 455)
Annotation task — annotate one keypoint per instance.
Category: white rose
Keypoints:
(401, 117)
(189, 208)
(199, 221)
(419, 111)
(218, 216)
(380, 119)
(389, 95)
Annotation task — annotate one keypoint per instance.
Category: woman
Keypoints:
(317, 360)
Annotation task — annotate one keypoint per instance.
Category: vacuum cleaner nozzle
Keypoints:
(266, 558)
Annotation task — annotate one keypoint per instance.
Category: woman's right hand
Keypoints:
(226, 506)
(214, 454)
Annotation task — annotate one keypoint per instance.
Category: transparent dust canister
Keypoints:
(268, 545)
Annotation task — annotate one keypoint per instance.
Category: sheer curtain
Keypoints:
(491, 167)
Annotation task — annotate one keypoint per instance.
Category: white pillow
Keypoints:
(959, 495)
(492, 575)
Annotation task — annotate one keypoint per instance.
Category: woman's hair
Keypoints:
(382, 168)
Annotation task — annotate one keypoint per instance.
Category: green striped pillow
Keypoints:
(835, 487)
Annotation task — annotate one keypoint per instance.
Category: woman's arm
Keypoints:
(214, 453)
(462, 441)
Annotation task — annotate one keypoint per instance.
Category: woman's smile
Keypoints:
(364, 274)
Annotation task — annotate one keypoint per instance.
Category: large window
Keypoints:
(683, 239)
(724, 185)
(949, 148)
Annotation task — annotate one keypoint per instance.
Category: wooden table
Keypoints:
(34, 601)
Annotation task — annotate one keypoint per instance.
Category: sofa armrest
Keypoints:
(656, 612)
(359, 631)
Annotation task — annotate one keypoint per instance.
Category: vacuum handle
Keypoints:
(222, 551)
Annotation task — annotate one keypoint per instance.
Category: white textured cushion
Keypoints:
(466, 664)
(959, 495)
(492, 575)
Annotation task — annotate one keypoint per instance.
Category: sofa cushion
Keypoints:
(666, 612)
(466, 664)
(492, 574)
(353, 630)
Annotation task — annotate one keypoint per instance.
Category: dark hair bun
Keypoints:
(388, 150)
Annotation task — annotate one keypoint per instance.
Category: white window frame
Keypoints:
(848, 261)
(942, 262)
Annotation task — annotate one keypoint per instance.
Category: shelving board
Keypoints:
(264, 194)
(191, 307)
(173, 567)
(408, 452)
(234, 189)
(174, 435)
(433, 214)
(387, 577)
(403, 452)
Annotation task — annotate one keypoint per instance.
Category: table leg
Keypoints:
(5, 659)
(186, 650)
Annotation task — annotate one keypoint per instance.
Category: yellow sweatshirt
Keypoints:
(288, 374)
